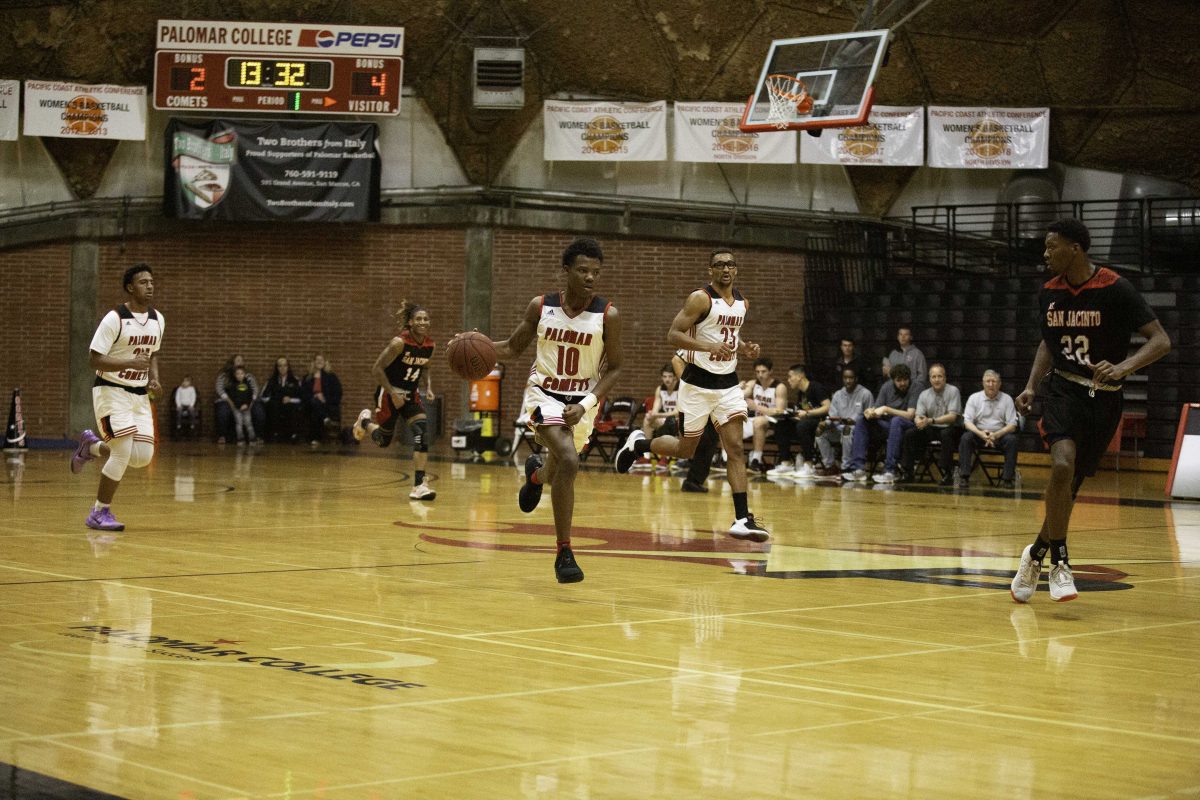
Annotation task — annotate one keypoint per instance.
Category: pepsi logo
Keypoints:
(325, 39)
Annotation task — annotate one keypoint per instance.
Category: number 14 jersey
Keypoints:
(1086, 324)
(570, 349)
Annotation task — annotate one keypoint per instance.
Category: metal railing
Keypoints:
(1146, 235)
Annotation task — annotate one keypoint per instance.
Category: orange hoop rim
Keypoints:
(779, 91)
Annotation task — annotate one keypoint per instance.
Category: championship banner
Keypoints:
(9, 100)
(604, 131)
(80, 111)
(251, 170)
(894, 136)
(709, 133)
(989, 138)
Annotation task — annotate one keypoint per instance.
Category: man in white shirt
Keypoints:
(990, 419)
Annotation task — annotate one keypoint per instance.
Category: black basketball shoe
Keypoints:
(531, 492)
(565, 568)
(627, 454)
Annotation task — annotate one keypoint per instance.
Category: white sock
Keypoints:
(98, 505)
(756, 455)
(94, 449)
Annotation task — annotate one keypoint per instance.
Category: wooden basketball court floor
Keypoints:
(284, 623)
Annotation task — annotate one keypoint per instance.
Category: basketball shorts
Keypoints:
(544, 408)
(122, 413)
(697, 405)
(386, 413)
(1068, 412)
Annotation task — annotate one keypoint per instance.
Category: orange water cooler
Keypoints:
(484, 403)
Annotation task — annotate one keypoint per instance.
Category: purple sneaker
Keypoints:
(102, 519)
(83, 453)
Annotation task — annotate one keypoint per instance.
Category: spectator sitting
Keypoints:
(766, 399)
(894, 409)
(660, 419)
(907, 354)
(939, 411)
(284, 404)
(223, 408)
(850, 359)
(241, 397)
(322, 393)
(847, 405)
(808, 403)
(990, 420)
(185, 408)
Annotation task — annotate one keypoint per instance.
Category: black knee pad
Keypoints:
(382, 436)
(420, 434)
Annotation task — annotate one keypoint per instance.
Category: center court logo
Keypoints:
(945, 566)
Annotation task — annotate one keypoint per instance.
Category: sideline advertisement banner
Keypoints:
(604, 131)
(989, 138)
(254, 170)
(894, 136)
(81, 111)
(10, 97)
(709, 133)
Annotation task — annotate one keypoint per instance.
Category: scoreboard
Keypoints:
(281, 68)
(332, 84)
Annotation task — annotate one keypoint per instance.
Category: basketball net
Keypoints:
(789, 98)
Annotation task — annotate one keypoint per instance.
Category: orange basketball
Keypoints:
(472, 355)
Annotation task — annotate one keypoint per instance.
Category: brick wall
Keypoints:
(291, 290)
(33, 334)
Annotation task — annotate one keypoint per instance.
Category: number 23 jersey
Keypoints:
(1086, 324)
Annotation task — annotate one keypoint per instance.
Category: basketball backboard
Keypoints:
(816, 82)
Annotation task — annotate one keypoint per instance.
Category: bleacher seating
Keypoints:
(992, 322)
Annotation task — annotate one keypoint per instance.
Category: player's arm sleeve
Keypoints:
(106, 334)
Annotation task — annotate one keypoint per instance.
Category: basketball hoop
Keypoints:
(789, 99)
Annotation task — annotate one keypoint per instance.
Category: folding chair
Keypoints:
(613, 425)
(523, 435)
(929, 462)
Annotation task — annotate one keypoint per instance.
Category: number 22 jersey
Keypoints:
(1086, 324)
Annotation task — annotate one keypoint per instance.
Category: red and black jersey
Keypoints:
(1090, 323)
(406, 369)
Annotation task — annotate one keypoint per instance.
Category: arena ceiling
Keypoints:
(1122, 77)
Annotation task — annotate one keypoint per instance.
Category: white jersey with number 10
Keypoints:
(570, 349)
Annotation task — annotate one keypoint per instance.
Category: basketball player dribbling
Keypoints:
(1088, 314)
(124, 354)
(399, 369)
(578, 360)
(708, 328)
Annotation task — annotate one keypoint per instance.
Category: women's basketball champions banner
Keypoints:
(9, 100)
(894, 136)
(255, 170)
(604, 131)
(709, 132)
(78, 111)
(989, 138)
